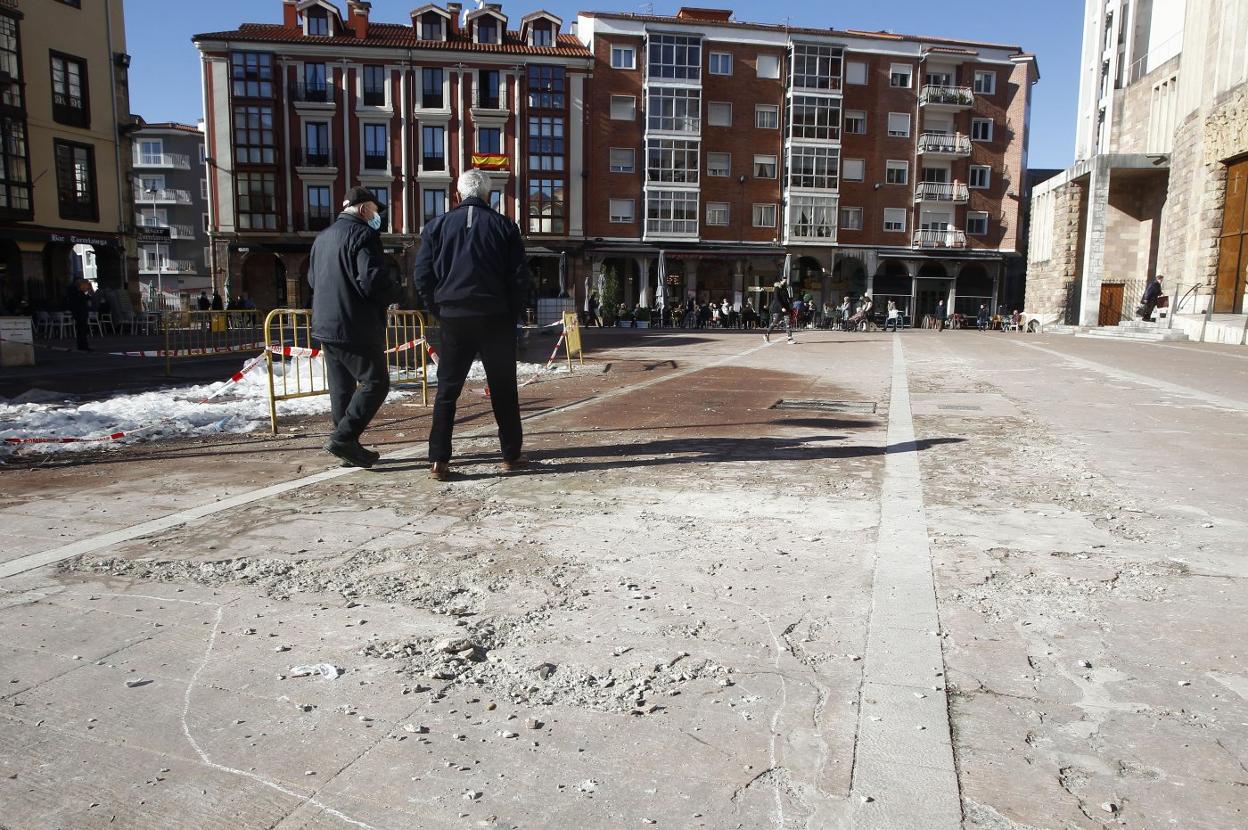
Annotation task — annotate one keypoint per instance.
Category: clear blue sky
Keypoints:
(165, 85)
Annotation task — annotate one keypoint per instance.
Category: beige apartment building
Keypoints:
(65, 158)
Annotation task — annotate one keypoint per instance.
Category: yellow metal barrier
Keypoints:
(201, 333)
(288, 336)
(572, 338)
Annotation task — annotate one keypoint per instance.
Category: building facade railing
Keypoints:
(939, 238)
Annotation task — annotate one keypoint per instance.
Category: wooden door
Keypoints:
(1111, 303)
(1228, 297)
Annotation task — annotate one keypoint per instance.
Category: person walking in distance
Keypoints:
(1148, 301)
(942, 314)
(779, 309)
(351, 290)
(471, 272)
(78, 302)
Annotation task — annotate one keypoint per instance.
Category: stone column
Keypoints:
(738, 285)
(1094, 243)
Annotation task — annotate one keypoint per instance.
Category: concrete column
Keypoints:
(644, 295)
(1094, 243)
(953, 290)
(738, 285)
(691, 278)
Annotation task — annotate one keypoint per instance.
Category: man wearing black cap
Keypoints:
(351, 289)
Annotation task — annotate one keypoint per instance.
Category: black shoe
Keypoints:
(376, 456)
(353, 454)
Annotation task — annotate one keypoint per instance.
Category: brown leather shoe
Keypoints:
(440, 470)
(517, 463)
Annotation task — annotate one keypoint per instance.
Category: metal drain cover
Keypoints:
(825, 405)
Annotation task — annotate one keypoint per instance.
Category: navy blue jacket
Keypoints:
(351, 284)
(780, 300)
(471, 263)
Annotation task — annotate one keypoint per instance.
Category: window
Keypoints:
(257, 201)
(374, 86)
(816, 67)
(768, 66)
(316, 144)
(895, 220)
(546, 206)
(623, 160)
(812, 217)
(381, 195)
(431, 26)
(981, 176)
(621, 211)
(151, 151)
(896, 172)
(496, 200)
(623, 108)
(432, 148)
(489, 89)
(69, 91)
(675, 56)
(985, 82)
(543, 34)
(319, 210)
(203, 189)
(817, 117)
(766, 116)
(75, 180)
(431, 88)
(853, 170)
(855, 72)
(204, 221)
(546, 143)
(253, 135)
(546, 87)
(623, 57)
(900, 75)
(899, 124)
(318, 22)
(765, 216)
(375, 154)
(314, 88)
(719, 114)
(814, 167)
(672, 212)
(10, 64)
(675, 109)
(976, 223)
(851, 218)
(856, 122)
(672, 160)
(717, 213)
(487, 29)
(721, 63)
(765, 167)
(14, 166)
(252, 74)
(432, 204)
(981, 129)
(490, 140)
(719, 164)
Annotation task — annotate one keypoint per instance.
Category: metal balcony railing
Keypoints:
(167, 196)
(305, 93)
(945, 144)
(955, 192)
(940, 238)
(175, 160)
(168, 266)
(181, 232)
(375, 161)
(315, 158)
(954, 96)
(316, 219)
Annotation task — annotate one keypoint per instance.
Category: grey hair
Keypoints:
(473, 183)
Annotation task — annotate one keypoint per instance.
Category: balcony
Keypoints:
(944, 145)
(177, 161)
(375, 161)
(163, 196)
(373, 97)
(939, 238)
(315, 220)
(951, 98)
(181, 232)
(316, 96)
(167, 266)
(317, 158)
(946, 192)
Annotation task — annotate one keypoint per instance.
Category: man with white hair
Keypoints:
(351, 289)
(472, 274)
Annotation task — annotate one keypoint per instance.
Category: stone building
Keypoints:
(64, 148)
(1158, 183)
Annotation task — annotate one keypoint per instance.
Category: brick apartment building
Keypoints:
(881, 163)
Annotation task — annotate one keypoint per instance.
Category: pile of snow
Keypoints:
(178, 410)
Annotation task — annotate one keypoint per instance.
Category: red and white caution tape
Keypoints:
(300, 351)
(553, 355)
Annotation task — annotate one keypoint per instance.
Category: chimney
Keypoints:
(290, 14)
(454, 9)
(357, 17)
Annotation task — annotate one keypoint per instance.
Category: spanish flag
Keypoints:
(485, 162)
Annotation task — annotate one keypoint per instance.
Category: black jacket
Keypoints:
(1151, 292)
(471, 263)
(351, 285)
(779, 301)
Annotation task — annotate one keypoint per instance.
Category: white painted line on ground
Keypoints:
(1214, 352)
(126, 534)
(903, 755)
(1144, 380)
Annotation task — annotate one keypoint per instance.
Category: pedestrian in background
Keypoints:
(779, 308)
(982, 320)
(351, 290)
(942, 314)
(78, 303)
(1148, 301)
(472, 273)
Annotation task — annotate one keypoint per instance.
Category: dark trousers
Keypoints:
(82, 328)
(358, 384)
(778, 320)
(1146, 313)
(463, 338)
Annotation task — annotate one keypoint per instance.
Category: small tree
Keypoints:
(610, 299)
